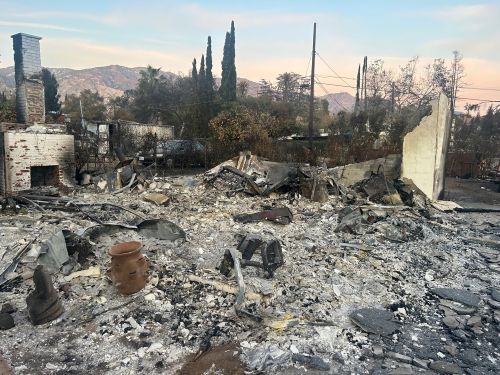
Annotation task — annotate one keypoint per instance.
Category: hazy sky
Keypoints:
(271, 36)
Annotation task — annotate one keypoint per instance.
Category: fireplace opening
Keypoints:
(47, 175)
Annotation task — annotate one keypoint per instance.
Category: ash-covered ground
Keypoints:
(184, 320)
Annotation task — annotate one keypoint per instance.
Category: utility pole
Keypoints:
(311, 100)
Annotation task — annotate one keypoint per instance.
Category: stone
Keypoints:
(378, 351)
(157, 198)
(399, 357)
(450, 322)
(474, 321)
(374, 321)
(458, 295)
(494, 304)
(6, 321)
(458, 308)
(8, 308)
(495, 294)
(420, 362)
(469, 356)
(443, 367)
(425, 148)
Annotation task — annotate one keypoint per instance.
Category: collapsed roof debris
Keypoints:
(359, 282)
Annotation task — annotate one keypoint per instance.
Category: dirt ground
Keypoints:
(472, 192)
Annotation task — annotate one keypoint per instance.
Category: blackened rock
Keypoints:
(495, 294)
(6, 321)
(470, 356)
(458, 295)
(311, 361)
(374, 321)
(8, 308)
(443, 367)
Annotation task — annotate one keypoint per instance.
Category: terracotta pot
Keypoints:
(129, 268)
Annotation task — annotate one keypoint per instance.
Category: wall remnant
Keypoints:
(30, 100)
(425, 148)
(32, 154)
(352, 173)
(24, 152)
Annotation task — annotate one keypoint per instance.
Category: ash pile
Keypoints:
(253, 267)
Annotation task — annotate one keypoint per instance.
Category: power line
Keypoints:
(307, 69)
(336, 77)
(334, 84)
(482, 100)
(479, 88)
(334, 72)
(333, 97)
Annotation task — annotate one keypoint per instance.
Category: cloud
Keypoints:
(468, 12)
(79, 53)
(105, 19)
(208, 18)
(39, 26)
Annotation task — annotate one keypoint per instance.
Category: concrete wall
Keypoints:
(140, 130)
(352, 173)
(30, 100)
(24, 150)
(424, 150)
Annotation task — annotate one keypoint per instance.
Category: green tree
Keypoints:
(228, 79)
(149, 96)
(208, 73)
(50, 87)
(287, 87)
(194, 72)
(239, 128)
(90, 103)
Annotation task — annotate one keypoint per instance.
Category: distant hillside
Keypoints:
(113, 80)
(110, 81)
(341, 101)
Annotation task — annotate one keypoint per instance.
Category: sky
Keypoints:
(272, 37)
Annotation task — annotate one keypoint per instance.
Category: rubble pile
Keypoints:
(254, 267)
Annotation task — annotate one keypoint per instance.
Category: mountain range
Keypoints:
(113, 80)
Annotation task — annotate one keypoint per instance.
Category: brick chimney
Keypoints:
(30, 100)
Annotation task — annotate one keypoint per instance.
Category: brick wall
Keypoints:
(25, 150)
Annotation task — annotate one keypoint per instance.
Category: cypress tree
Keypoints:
(208, 73)
(232, 67)
(365, 68)
(194, 72)
(224, 82)
(202, 73)
(50, 87)
(228, 79)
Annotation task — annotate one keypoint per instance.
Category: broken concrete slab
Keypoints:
(458, 295)
(351, 174)
(424, 150)
(54, 253)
